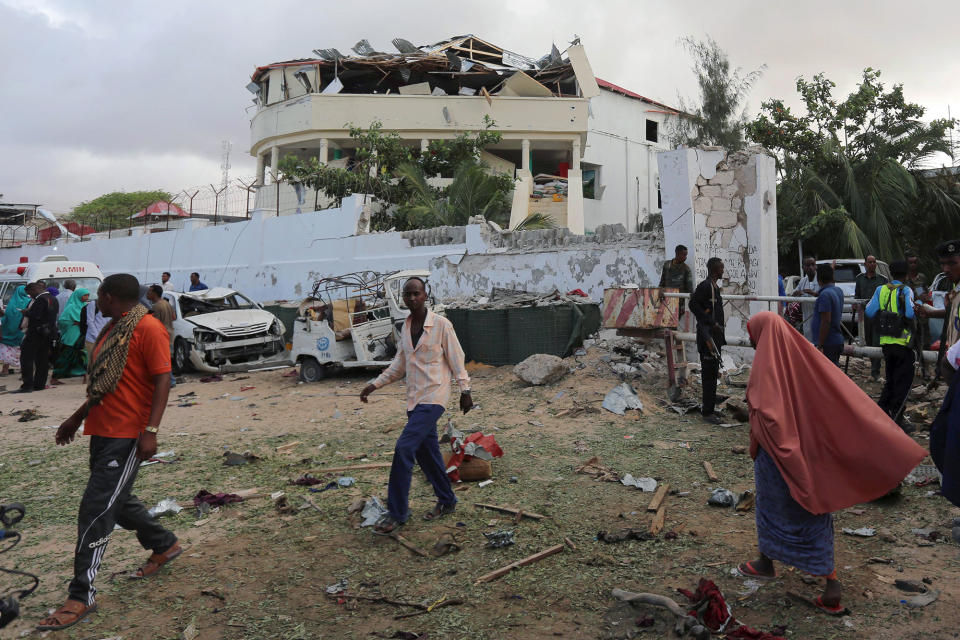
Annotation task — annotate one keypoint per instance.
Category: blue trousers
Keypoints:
(418, 442)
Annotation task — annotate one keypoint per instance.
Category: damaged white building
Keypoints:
(581, 150)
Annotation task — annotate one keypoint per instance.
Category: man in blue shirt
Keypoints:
(827, 315)
(890, 301)
(195, 284)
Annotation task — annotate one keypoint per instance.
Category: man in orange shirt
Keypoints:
(129, 381)
(428, 356)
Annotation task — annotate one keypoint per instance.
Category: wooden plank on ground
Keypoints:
(658, 497)
(537, 557)
(657, 525)
(511, 511)
(711, 474)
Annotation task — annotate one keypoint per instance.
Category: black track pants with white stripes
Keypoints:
(107, 501)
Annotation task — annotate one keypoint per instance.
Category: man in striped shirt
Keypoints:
(428, 355)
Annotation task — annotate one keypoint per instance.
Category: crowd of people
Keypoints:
(804, 470)
(48, 333)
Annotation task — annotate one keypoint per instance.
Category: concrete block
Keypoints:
(725, 238)
(702, 205)
(719, 204)
(746, 177)
(541, 368)
(701, 181)
(730, 190)
(722, 220)
(712, 191)
(723, 178)
(736, 203)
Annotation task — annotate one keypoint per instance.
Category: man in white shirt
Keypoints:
(165, 281)
(808, 286)
(69, 286)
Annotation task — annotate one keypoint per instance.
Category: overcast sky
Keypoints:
(102, 96)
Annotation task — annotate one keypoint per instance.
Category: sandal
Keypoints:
(439, 510)
(72, 612)
(157, 560)
(387, 525)
(746, 570)
(817, 602)
(838, 610)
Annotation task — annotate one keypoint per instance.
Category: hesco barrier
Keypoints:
(508, 336)
(287, 314)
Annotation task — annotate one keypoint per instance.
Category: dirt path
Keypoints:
(251, 573)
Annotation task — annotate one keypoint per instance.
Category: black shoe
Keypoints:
(907, 426)
(713, 419)
(23, 390)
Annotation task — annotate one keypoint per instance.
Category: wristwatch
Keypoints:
(153, 430)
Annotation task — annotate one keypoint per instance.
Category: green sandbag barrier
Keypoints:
(507, 336)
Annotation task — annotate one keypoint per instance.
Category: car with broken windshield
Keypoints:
(220, 330)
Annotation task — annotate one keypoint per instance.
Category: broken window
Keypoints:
(652, 130)
(591, 180)
(303, 76)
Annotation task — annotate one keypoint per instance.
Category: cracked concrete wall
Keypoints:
(724, 204)
(544, 260)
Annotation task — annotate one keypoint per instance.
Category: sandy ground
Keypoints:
(253, 573)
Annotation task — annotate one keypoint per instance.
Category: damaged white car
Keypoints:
(220, 330)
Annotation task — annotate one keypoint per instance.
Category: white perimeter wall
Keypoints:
(267, 258)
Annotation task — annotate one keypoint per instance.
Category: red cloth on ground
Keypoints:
(716, 615)
(488, 442)
(833, 445)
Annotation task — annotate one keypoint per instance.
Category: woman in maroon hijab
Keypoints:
(819, 445)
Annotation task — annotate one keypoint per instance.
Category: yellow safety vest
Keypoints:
(889, 301)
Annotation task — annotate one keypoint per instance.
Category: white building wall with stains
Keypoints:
(624, 155)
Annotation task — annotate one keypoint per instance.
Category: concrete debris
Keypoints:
(497, 539)
(595, 470)
(540, 369)
(512, 299)
(621, 398)
(722, 498)
(921, 600)
(168, 505)
(644, 484)
(738, 409)
(862, 532)
(924, 474)
(372, 511)
(338, 587)
(624, 369)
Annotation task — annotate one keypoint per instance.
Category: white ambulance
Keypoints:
(52, 269)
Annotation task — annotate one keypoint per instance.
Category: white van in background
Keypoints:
(52, 269)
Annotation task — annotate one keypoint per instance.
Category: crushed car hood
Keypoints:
(235, 322)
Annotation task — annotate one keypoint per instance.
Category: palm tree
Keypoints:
(472, 192)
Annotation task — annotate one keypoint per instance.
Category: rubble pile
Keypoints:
(462, 65)
(511, 298)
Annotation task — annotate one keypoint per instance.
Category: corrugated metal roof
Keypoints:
(609, 86)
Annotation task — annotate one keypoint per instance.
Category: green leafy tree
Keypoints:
(113, 210)
(720, 115)
(396, 174)
(850, 178)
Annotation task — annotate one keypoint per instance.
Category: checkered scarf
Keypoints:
(107, 366)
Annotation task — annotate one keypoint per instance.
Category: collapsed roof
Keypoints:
(463, 65)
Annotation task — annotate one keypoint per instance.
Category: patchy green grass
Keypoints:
(271, 570)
